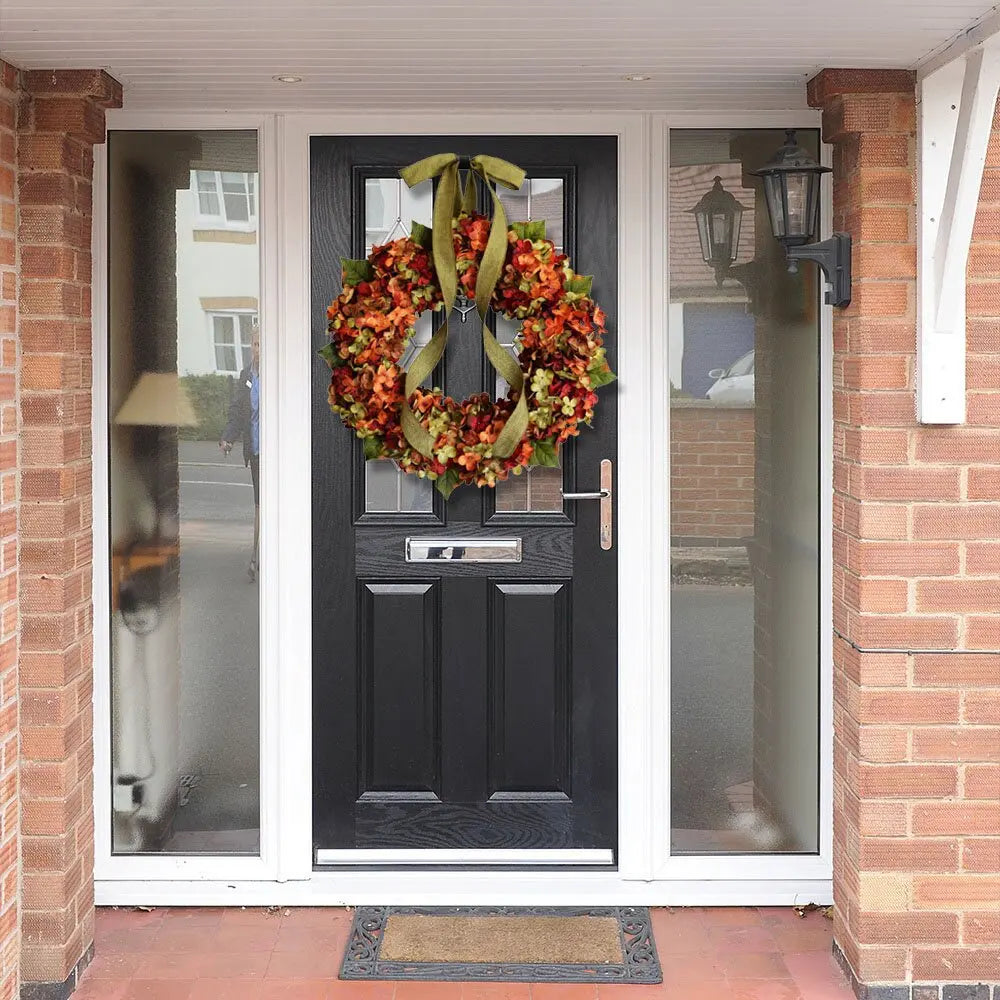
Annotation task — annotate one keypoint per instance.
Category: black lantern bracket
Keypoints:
(834, 259)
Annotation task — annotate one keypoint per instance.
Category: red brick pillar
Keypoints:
(916, 817)
(62, 116)
(9, 942)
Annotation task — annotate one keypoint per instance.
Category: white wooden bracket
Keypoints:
(955, 108)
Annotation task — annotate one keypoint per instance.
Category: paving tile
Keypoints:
(193, 916)
(247, 937)
(125, 939)
(114, 965)
(173, 937)
(633, 991)
(754, 965)
(226, 989)
(171, 965)
(818, 976)
(309, 938)
(763, 989)
(730, 916)
(158, 989)
(101, 989)
(499, 991)
(251, 916)
(560, 991)
(234, 965)
(750, 938)
(298, 989)
(307, 964)
(316, 916)
(341, 989)
(687, 970)
(428, 991)
(111, 917)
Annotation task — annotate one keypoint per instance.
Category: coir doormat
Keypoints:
(503, 944)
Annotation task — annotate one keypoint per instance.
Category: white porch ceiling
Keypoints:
(721, 54)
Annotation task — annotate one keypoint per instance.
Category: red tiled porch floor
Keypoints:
(767, 953)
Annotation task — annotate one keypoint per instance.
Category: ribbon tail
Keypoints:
(420, 368)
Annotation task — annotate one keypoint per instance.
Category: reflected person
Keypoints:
(244, 424)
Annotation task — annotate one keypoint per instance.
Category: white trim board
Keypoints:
(955, 109)
(646, 872)
(543, 888)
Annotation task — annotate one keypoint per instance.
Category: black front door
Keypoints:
(458, 704)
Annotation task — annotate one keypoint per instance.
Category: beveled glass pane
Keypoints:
(391, 207)
(415, 494)
(381, 486)
(183, 592)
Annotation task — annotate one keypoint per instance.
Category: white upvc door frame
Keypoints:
(284, 874)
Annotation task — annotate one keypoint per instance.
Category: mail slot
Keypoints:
(463, 550)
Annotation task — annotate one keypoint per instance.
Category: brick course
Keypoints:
(61, 117)
(916, 518)
(711, 474)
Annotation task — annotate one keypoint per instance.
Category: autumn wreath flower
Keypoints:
(560, 363)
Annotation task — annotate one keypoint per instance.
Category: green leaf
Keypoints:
(356, 271)
(600, 374)
(545, 453)
(421, 234)
(580, 284)
(373, 448)
(446, 483)
(534, 230)
(329, 354)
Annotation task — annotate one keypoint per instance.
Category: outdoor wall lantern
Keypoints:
(792, 192)
(718, 216)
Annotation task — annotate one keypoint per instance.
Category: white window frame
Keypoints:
(647, 874)
(233, 314)
(220, 220)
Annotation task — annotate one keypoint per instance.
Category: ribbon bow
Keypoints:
(449, 201)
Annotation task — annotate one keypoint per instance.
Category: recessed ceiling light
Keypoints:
(287, 78)
(635, 77)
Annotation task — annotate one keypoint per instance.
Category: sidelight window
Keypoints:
(184, 514)
(745, 500)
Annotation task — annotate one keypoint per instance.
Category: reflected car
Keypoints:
(733, 384)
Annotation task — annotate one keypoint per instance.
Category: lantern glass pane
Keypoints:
(722, 224)
(704, 237)
(774, 194)
(798, 187)
(734, 238)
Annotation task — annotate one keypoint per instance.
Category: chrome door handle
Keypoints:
(596, 495)
(604, 495)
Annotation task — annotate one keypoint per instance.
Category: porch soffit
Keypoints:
(719, 54)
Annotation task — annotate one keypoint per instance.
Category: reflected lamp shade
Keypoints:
(157, 400)
(791, 189)
(718, 216)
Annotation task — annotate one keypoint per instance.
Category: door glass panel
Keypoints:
(390, 208)
(184, 591)
(538, 488)
(745, 501)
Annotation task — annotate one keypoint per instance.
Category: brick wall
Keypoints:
(711, 474)
(916, 783)
(61, 117)
(9, 928)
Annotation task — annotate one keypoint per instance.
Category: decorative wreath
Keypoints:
(515, 271)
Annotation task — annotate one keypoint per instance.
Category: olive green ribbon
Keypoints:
(449, 201)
